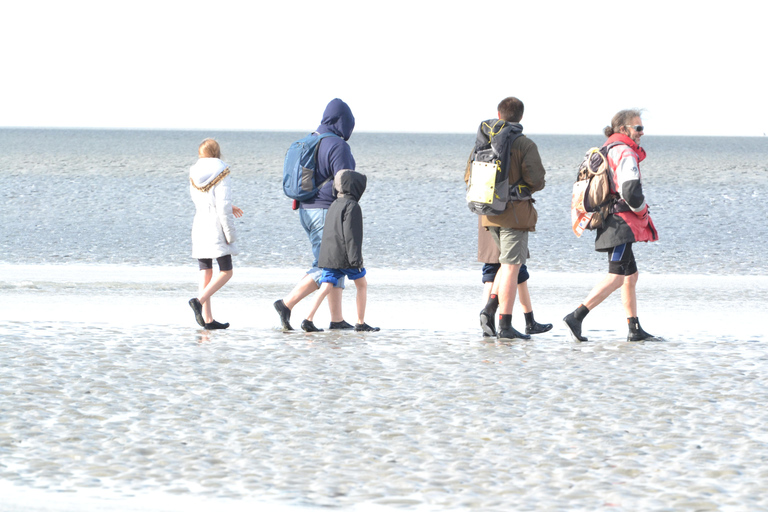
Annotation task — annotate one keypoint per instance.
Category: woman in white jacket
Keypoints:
(213, 229)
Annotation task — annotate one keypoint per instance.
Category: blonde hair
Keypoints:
(209, 148)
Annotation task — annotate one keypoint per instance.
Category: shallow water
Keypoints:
(121, 197)
(110, 395)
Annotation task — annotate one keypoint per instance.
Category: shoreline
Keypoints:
(418, 300)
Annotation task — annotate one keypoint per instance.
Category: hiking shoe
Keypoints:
(341, 325)
(198, 309)
(285, 314)
(510, 333)
(537, 328)
(309, 326)
(487, 323)
(574, 327)
(216, 325)
(365, 328)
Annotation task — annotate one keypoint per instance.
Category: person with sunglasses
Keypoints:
(629, 222)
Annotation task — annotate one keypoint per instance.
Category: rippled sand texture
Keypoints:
(397, 418)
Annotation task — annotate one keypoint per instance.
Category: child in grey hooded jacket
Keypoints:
(341, 250)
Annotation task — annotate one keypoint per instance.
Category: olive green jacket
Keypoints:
(524, 162)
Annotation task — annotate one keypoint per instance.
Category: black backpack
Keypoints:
(488, 188)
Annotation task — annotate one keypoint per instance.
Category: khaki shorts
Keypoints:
(512, 244)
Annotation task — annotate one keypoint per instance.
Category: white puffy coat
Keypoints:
(213, 229)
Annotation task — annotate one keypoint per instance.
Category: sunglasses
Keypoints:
(636, 127)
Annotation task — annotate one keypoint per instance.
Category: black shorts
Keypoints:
(621, 260)
(224, 262)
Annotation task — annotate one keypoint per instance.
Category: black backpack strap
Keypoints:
(324, 183)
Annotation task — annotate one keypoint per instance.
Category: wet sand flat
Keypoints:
(110, 394)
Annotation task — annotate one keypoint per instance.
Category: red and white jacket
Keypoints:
(630, 221)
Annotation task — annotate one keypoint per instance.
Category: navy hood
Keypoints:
(337, 119)
(350, 183)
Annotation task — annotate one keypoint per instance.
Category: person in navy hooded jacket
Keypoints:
(333, 155)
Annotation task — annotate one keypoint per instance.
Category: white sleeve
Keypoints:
(222, 194)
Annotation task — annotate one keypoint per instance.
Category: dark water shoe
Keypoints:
(510, 333)
(341, 325)
(285, 314)
(198, 309)
(487, 323)
(537, 328)
(574, 327)
(309, 326)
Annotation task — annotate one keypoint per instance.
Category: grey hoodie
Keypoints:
(342, 245)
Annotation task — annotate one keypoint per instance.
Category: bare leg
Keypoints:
(604, 288)
(507, 277)
(524, 296)
(531, 325)
(487, 287)
(304, 287)
(334, 304)
(205, 278)
(211, 285)
(361, 285)
(495, 289)
(628, 295)
(325, 289)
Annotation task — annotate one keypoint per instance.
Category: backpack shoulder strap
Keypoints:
(611, 145)
(321, 136)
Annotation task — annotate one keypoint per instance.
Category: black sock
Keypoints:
(493, 303)
(505, 321)
(529, 321)
(581, 312)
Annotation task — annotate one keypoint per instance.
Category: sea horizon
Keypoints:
(356, 132)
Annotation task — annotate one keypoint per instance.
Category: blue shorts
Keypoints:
(332, 275)
(316, 273)
(490, 269)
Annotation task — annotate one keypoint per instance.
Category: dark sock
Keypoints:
(634, 323)
(580, 312)
(529, 321)
(493, 303)
(505, 321)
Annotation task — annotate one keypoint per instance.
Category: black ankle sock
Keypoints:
(505, 321)
(529, 321)
(581, 312)
(493, 303)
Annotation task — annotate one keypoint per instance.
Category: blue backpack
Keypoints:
(299, 167)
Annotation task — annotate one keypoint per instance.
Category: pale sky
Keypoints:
(697, 68)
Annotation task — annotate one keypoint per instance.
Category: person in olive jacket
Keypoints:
(341, 249)
(510, 229)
